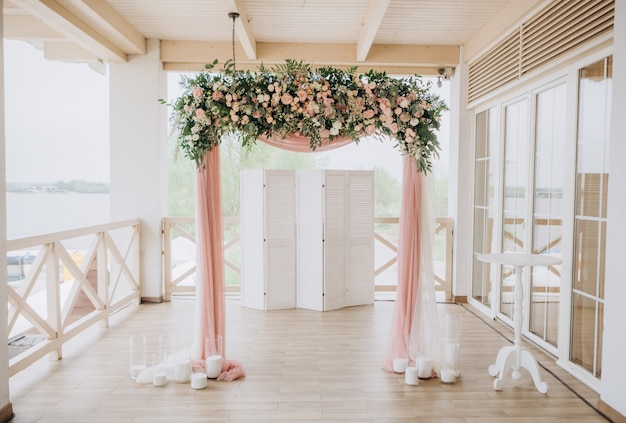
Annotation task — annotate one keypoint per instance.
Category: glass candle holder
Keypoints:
(138, 354)
(167, 351)
(182, 366)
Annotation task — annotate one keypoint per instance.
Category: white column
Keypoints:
(138, 145)
(614, 344)
(5, 405)
(461, 180)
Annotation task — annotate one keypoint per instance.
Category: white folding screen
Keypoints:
(327, 261)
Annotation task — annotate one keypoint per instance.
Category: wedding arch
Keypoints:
(294, 107)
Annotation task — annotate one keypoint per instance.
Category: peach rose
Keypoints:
(368, 114)
(286, 99)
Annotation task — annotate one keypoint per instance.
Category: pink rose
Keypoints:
(286, 99)
(370, 129)
(200, 114)
(394, 128)
(197, 93)
(368, 114)
(256, 114)
(217, 95)
(302, 95)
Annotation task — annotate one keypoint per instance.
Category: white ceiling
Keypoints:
(415, 33)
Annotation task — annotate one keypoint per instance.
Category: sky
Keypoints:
(56, 123)
(56, 118)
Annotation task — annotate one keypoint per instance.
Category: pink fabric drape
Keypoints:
(415, 326)
(408, 263)
(300, 144)
(210, 301)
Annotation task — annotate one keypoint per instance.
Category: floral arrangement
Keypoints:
(321, 105)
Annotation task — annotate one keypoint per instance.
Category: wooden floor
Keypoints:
(302, 366)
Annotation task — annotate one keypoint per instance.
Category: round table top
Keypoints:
(520, 259)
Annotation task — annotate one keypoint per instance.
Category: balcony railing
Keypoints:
(179, 255)
(61, 283)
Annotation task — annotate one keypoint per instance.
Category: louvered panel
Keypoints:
(362, 284)
(334, 204)
(280, 204)
(280, 274)
(495, 69)
(334, 276)
(361, 237)
(562, 28)
(557, 30)
(361, 204)
(310, 233)
(280, 242)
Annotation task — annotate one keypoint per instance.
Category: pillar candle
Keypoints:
(410, 375)
(424, 367)
(213, 366)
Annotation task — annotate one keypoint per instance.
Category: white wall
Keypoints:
(4, 350)
(138, 143)
(614, 345)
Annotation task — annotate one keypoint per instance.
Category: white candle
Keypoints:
(410, 375)
(424, 367)
(448, 376)
(159, 379)
(135, 370)
(213, 366)
(182, 371)
(198, 381)
(399, 365)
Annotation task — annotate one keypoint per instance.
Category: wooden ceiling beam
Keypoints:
(242, 28)
(65, 22)
(375, 14)
(111, 23)
(27, 28)
(402, 59)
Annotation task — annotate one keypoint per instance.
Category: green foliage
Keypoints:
(387, 193)
(181, 184)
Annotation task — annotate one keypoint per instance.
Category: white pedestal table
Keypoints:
(515, 356)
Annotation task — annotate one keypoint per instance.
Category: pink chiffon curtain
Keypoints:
(210, 300)
(300, 144)
(415, 324)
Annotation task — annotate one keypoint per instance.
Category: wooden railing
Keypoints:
(65, 282)
(179, 260)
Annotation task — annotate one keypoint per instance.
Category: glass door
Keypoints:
(547, 230)
(515, 195)
(592, 178)
(485, 174)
